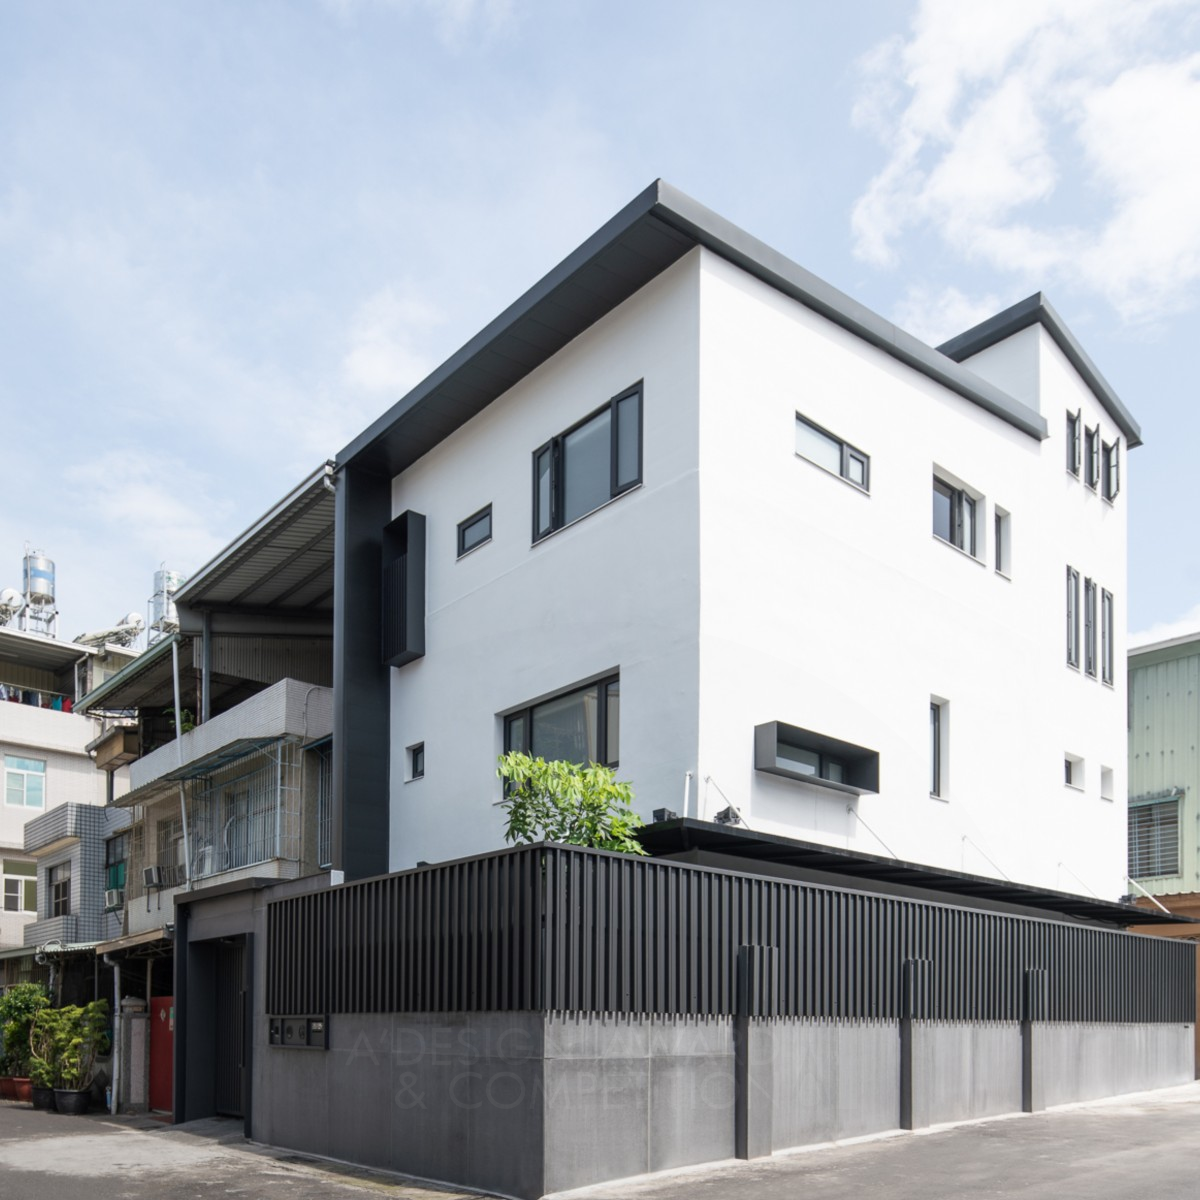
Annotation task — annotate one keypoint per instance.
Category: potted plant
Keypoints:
(44, 1034)
(18, 1007)
(8, 1088)
(82, 1035)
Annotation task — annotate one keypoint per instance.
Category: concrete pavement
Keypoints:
(1125, 1149)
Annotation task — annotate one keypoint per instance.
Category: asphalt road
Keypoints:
(1127, 1149)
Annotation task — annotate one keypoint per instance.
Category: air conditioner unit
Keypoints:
(152, 877)
(114, 898)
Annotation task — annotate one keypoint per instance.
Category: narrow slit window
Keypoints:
(475, 531)
(820, 447)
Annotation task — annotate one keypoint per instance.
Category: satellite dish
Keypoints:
(11, 603)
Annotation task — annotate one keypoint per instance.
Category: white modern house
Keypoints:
(687, 510)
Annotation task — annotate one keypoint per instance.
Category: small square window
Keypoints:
(416, 761)
(475, 531)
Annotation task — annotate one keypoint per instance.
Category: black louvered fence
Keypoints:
(557, 928)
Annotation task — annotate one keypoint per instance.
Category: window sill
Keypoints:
(939, 798)
(1074, 787)
(537, 541)
(479, 546)
(862, 491)
(1003, 575)
(941, 541)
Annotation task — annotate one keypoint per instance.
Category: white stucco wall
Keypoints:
(512, 622)
(841, 613)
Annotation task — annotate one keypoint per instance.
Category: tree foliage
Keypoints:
(65, 1043)
(563, 802)
(18, 1006)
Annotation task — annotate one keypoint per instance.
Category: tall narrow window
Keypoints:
(60, 890)
(1111, 481)
(836, 456)
(938, 735)
(1089, 626)
(1074, 432)
(1072, 617)
(1091, 457)
(1003, 545)
(588, 465)
(1107, 634)
(953, 515)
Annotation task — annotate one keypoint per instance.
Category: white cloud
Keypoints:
(1051, 139)
(385, 336)
(936, 316)
(1186, 625)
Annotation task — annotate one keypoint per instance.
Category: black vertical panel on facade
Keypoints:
(361, 738)
(402, 621)
(557, 928)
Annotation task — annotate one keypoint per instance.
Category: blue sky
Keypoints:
(232, 233)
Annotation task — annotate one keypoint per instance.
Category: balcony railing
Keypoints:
(36, 697)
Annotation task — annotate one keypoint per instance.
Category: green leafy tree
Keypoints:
(563, 802)
(18, 1007)
(65, 1042)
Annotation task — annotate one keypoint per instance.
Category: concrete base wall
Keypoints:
(962, 1072)
(834, 1080)
(1087, 1062)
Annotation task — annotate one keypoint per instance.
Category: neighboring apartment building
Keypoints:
(49, 778)
(685, 509)
(1164, 771)
(243, 793)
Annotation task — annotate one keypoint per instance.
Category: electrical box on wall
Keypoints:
(299, 1033)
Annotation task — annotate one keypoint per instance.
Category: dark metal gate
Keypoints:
(230, 1028)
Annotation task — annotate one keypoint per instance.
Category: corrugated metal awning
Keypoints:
(213, 762)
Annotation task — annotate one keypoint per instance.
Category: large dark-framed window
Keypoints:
(819, 446)
(1072, 617)
(475, 530)
(954, 515)
(580, 726)
(589, 464)
(60, 890)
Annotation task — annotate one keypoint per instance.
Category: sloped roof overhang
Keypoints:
(683, 834)
(646, 237)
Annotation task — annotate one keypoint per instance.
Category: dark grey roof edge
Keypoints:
(713, 231)
(612, 229)
(1037, 309)
(673, 208)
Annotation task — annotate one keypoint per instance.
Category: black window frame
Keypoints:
(1091, 457)
(1110, 469)
(1090, 621)
(116, 855)
(959, 499)
(1107, 636)
(465, 525)
(416, 761)
(557, 480)
(1074, 441)
(1073, 630)
(58, 878)
(525, 716)
(846, 452)
(935, 749)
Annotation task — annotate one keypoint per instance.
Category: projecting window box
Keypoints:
(802, 754)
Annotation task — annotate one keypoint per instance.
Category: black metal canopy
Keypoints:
(683, 834)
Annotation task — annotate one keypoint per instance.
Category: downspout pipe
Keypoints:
(187, 847)
(115, 963)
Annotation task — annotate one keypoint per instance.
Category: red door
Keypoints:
(162, 1052)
